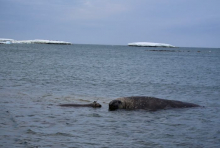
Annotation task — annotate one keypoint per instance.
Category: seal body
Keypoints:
(147, 103)
(94, 104)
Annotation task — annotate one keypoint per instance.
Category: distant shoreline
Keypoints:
(149, 44)
(36, 41)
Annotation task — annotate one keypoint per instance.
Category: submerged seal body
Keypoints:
(94, 104)
(147, 103)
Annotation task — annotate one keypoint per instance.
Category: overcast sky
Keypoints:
(184, 23)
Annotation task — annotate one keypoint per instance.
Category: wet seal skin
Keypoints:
(94, 105)
(147, 103)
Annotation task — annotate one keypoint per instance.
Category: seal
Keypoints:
(147, 103)
(94, 105)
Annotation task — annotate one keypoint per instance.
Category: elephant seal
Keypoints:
(147, 103)
(94, 105)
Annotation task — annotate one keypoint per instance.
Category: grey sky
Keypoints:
(185, 23)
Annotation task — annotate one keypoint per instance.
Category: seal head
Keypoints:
(95, 104)
(115, 104)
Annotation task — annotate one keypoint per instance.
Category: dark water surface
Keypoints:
(34, 79)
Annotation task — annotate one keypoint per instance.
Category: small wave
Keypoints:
(29, 131)
(61, 134)
(94, 115)
(83, 100)
(46, 95)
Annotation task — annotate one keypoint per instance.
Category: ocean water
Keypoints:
(35, 78)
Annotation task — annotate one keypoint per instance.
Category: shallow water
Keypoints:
(36, 78)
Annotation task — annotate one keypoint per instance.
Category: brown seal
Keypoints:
(147, 103)
(94, 104)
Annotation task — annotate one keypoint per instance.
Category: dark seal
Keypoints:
(94, 104)
(147, 103)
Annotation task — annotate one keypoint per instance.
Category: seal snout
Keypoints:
(95, 104)
(98, 105)
(113, 105)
